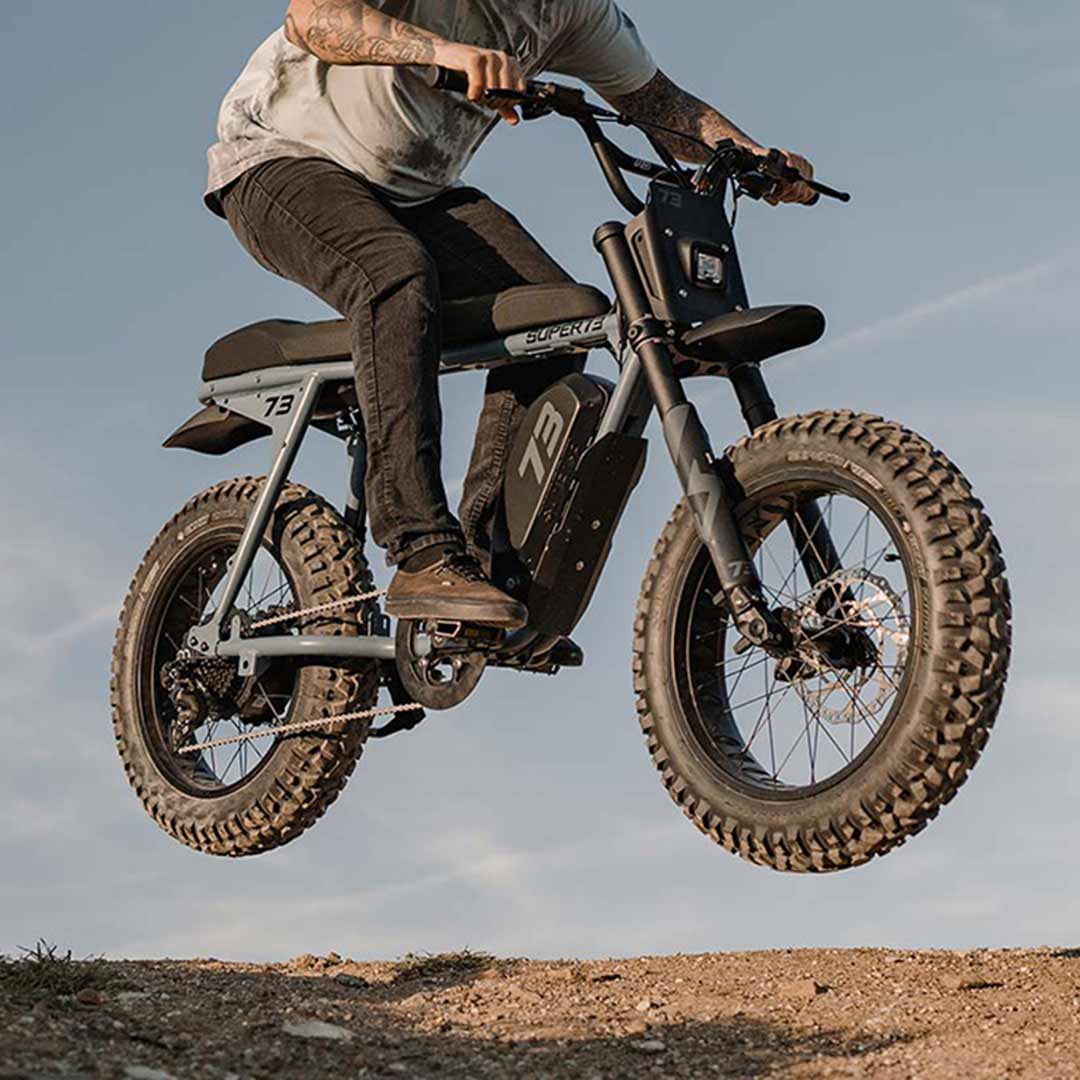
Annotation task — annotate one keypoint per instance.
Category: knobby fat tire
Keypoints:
(304, 774)
(943, 724)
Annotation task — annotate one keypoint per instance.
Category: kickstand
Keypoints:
(404, 721)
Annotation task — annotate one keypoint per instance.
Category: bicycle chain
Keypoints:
(300, 726)
(336, 605)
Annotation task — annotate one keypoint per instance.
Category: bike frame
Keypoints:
(644, 345)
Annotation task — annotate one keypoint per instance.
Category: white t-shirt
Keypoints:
(386, 123)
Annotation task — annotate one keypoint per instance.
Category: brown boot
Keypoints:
(454, 589)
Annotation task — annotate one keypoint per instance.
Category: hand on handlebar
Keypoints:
(488, 72)
(791, 190)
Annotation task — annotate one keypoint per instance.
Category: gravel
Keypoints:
(832, 1013)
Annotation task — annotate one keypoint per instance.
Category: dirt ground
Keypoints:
(783, 1014)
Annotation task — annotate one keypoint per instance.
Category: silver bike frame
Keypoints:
(284, 399)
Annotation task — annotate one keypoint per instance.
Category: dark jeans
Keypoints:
(386, 269)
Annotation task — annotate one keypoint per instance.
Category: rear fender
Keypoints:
(215, 430)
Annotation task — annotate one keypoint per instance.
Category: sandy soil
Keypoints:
(790, 1014)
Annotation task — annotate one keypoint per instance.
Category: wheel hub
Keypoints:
(842, 634)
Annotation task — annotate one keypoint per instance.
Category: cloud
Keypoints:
(1019, 25)
(969, 298)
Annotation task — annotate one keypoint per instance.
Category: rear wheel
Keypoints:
(240, 796)
(853, 742)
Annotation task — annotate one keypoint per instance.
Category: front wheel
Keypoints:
(850, 744)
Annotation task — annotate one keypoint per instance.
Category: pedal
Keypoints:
(465, 637)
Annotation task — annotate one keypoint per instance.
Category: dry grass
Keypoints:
(439, 965)
(44, 971)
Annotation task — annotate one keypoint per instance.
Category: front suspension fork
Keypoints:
(692, 455)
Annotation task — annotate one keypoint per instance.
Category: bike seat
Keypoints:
(742, 337)
(282, 343)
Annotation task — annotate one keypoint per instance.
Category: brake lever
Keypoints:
(776, 167)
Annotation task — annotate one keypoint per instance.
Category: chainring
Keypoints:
(439, 670)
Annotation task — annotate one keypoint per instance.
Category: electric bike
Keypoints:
(823, 633)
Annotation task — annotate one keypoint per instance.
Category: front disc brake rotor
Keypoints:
(872, 608)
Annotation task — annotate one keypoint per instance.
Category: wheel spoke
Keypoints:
(195, 595)
(847, 666)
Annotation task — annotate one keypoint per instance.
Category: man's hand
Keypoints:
(792, 191)
(661, 102)
(487, 69)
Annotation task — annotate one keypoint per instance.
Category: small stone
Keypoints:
(649, 1046)
(644, 1005)
(318, 1029)
(143, 1072)
(90, 997)
(398, 1067)
(635, 1027)
(354, 982)
(130, 997)
(957, 983)
(802, 990)
(606, 976)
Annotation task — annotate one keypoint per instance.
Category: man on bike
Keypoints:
(338, 167)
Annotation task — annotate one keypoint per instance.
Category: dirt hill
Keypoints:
(784, 1014)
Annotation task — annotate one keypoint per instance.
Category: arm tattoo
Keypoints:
(351, 32)
(660, 101)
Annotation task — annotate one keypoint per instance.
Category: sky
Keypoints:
(530, 820)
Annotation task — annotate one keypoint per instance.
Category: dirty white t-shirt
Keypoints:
(386, 123)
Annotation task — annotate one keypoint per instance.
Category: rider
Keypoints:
(338, 167)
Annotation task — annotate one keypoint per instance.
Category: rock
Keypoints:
(644, 1005)
(956, 983)
(354, 982)
(90, 997)
(142, 1072)
(802, 990)
(317, 1029)
(523, 996)
(649, 1046)
(606, 976)
(130, 997)
(635, 1027)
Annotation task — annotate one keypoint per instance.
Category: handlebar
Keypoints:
(756, 175)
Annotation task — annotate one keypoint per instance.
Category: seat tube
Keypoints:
(687, 440)
(288, 439)
(356, 500)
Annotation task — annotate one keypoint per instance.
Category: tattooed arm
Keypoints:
(351, 32)
(660, 101)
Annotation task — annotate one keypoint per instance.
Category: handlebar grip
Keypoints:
(832, 193)
(454, 82)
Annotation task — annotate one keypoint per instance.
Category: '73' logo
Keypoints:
(545, 437)
(281, 405)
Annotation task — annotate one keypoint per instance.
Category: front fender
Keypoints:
(215, 430)
(748, 337)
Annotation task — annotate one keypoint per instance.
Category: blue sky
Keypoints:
(530, 820)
